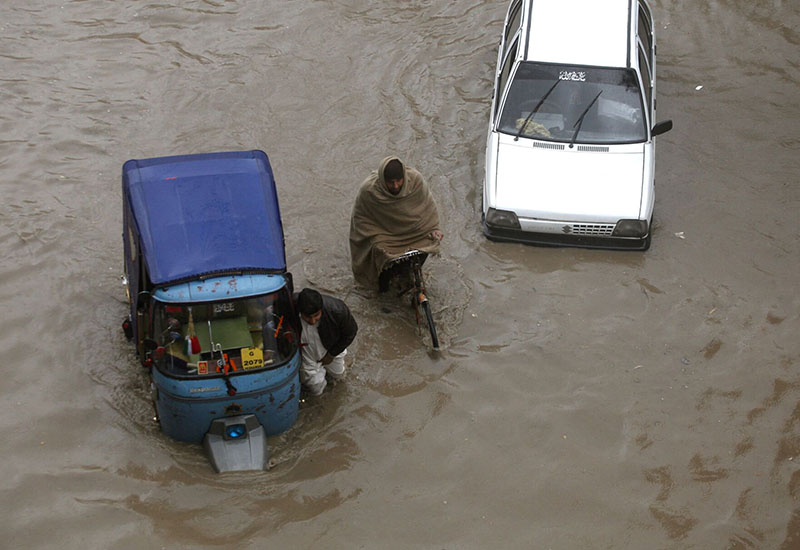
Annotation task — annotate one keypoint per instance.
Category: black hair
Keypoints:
(309, 301)
(393, 170)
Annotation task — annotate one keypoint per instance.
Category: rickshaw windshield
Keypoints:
(209, 338)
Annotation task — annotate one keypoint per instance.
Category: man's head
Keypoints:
(309, 302)
(394, 176)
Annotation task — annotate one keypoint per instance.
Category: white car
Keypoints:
(570, 156)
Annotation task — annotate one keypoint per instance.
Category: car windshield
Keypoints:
(202, 338)
(615, 116)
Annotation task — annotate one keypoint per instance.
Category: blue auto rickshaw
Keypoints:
(211, 310)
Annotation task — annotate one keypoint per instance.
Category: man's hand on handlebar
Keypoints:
(436, 235)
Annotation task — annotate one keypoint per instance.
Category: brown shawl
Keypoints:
(384, 226)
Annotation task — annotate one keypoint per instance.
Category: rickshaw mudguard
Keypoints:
(237, 443)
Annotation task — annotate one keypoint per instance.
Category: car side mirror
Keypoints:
(661, 127)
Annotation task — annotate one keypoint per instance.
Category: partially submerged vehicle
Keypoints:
(570, 154)
(211, 309)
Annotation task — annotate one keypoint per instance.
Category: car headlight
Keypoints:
(630, 228)
(502, 218)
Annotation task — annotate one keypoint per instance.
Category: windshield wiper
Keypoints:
(533, 111)
(579, 122)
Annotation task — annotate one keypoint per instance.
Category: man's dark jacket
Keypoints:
(337, 327)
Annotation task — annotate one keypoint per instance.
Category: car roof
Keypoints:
(205, 213)
(580, 32)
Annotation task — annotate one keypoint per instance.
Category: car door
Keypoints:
(646, 46)
(508, 40)
(506, 56)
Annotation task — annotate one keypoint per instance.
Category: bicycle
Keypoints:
(407, 269)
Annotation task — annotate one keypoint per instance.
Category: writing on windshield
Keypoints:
(578, 76)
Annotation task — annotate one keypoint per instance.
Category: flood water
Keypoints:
(582, 399)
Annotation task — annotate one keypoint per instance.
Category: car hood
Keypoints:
(568, 184)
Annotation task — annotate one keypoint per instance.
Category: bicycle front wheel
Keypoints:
(426, 306)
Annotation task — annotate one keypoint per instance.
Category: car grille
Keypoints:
(592, 229)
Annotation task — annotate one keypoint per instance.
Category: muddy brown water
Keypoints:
(583, 399)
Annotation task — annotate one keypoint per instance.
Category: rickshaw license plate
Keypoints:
(252, 358)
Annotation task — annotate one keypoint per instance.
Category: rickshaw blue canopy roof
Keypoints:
(204, 214)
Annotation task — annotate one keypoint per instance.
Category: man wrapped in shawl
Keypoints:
(394, 213)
